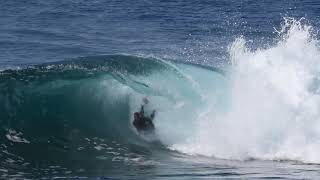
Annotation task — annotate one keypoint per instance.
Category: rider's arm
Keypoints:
(142, 110)
(153, 114)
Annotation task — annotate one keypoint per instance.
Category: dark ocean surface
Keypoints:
(235, 85)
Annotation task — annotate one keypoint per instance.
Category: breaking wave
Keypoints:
(82, 109)
(265, 105)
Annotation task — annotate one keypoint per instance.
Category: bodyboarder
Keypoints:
(141, 122)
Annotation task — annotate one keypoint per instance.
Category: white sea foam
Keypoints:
(274, 102)
(15, 136)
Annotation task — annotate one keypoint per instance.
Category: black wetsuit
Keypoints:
(142, 123)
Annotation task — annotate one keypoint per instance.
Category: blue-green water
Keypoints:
(235, 86)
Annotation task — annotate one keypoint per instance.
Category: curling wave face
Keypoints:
(82, 109)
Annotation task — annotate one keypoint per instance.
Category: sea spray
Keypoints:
(274, 110)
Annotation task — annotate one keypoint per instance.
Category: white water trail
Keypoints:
(274, 109)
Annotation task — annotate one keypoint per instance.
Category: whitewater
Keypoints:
(273, 109)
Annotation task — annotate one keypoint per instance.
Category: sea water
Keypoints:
(235, 86)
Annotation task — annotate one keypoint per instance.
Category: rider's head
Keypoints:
(145, 100)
